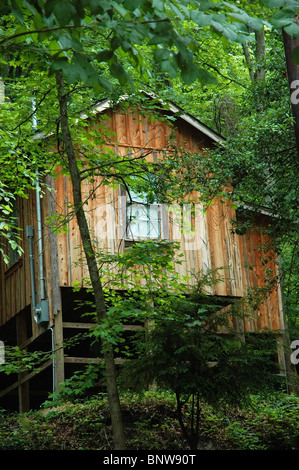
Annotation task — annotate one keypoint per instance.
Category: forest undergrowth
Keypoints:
(151, 424)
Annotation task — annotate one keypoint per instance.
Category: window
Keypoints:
(143, 219)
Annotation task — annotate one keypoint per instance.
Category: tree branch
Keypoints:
(37, 31)
(224, 76)
(33, 112)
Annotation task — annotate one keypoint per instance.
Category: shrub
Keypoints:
(151, 424)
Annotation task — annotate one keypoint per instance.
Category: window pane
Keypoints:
(143, 221)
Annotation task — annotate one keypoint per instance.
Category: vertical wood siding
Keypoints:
(213, 245)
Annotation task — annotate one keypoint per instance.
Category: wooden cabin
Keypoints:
(38, 306)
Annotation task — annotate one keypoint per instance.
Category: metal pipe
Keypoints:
(41, 310)
(53, 361)
(40, 240)
(29, 233)
(38, 213)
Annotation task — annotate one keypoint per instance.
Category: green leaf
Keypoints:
(176, 11)
(120, 73)
(115, 43)
(122, 11)
(17, 12)
(282, 18)
(190, 75)
(117, 71)
(65, 12)
(168, 67)
(105, 55)
(224, 29)
(161, 38)
(292, 30)
(20, 30)
(205, 5)
(200, 18)
(158, 5)
(194, 323)
(205, 77)
(13, 244)
(161, 54)
(38, 21)
(184, 60)
(131, 5)
(274, 3)
(105, 83)
(68, 42)
(254, 23)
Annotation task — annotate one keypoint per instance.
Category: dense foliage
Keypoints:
(59, 57)
(151, 424)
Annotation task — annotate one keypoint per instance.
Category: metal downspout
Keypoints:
(40, 240)
(40, 310)
(44, 304)
(53, 360)
(29, 234)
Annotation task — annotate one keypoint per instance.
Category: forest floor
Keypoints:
(151, 424)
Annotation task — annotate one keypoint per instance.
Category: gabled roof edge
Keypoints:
(193, 121)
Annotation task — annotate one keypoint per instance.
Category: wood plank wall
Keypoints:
(15, 283)
(213, 246)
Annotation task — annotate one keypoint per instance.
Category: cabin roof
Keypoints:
(171, 107)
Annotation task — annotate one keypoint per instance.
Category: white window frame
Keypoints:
(143, 219)
(124, 207)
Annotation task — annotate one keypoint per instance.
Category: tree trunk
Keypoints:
(248, 61)
(293, 75)
(112, 388)
(257, 71)
(260, 55)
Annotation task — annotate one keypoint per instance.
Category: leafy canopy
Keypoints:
(92, 41)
